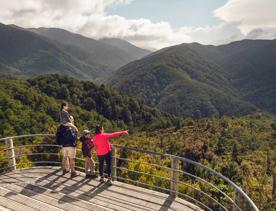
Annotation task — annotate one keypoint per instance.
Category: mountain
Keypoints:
(112, 53)
(199, 80)
(32, 52)
(251, 67)
(23, 53)
(127, 47)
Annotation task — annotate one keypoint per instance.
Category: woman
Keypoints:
(103, 150)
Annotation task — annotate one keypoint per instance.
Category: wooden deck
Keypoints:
(44, 188)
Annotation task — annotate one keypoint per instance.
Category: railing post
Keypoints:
(114, 164)
(11, 154)
(174, 176)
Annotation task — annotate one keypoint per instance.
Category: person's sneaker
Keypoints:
(74, 174)
(64, 171)
(109, 181)
(93, 176)
(102, 179)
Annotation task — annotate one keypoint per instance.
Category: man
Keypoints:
(67, 137)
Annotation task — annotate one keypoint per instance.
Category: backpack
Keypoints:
(66, 136)
(59, 135)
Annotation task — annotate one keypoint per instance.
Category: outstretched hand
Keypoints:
(126, 132)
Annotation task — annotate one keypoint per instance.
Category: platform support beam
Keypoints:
(174, 177)
(10, 154)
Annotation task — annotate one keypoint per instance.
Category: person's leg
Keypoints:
(72, 164)
(86, 165)
(64, 162)
(92, 166)
(101, 164)
(64, 159)
(108, 159)
(67, 165)
(72, 155)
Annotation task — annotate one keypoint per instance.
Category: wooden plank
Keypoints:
(13, 205)
(47, 185)
(4, 208)
(55, 198)
(119, 195)
(30, 202)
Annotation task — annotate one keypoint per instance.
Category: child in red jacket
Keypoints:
(103, 150)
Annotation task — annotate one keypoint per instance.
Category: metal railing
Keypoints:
(204, 192)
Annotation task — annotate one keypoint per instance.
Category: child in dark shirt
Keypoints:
(87, 145)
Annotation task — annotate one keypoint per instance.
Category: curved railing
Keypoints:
(194, 181)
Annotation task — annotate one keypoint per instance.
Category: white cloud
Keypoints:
(88, 17)
(249, 15)
(215, 35)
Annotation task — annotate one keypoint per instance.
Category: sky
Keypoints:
(150, 24)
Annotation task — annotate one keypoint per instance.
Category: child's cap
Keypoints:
(85, 132)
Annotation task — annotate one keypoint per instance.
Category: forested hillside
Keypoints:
(23, 53)
(243, 149)
(110, 54)
(132, 50)
(33, 106)
(200, 81)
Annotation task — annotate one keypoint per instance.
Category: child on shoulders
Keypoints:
(65, 117)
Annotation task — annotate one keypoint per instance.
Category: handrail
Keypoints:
(26, 136)
(174, 172)
(196, 164)
(183, 172)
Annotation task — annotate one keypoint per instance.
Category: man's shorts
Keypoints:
(69, 152)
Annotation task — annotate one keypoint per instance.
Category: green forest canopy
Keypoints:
(241, 148)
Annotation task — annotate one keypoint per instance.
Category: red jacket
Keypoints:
(101, 142)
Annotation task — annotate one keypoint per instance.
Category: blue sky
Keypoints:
(190, 13)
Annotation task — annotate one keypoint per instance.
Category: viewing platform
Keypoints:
(31, 179)
(45, 188)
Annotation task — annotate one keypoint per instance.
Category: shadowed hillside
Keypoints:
(24, 53)
(197, 80)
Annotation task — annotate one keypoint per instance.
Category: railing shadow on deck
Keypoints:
(193, 186)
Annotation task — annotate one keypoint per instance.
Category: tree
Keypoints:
(235, 153)
(220, 148)
(178, 125)
(268, 163)
(232, 171)
(274, 183)
(126, 115)
(89, 104)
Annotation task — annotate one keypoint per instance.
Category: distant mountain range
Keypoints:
(131, 50)
(32, 52)
(199, 81)
(188, 80)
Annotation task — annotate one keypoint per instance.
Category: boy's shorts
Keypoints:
(69, 152)
(86, 152)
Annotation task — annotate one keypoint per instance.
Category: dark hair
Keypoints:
(98, 129)
(64, 103)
